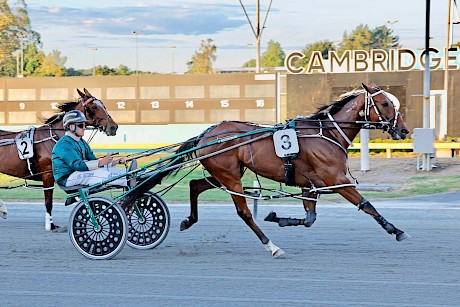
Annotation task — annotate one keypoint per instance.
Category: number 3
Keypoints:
(286, 142)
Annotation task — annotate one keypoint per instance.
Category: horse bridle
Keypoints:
(384, 123)
(96, 122)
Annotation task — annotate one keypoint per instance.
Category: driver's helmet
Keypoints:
(73, 117)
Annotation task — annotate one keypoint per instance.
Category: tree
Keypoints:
(15, 33)
(383, 38)
(274, 56)
(105, 71)
(201, 62)
(33, 58)
(250, 63)
(123, 70)
(52, 65)
(363, 38)
(323, 46)
(73, 72)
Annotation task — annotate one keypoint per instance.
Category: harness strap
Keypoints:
(84, 103)
(289, 171)
(340, 130)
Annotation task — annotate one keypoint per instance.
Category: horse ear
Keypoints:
(366, 87)
(80, 93)
(87, 93)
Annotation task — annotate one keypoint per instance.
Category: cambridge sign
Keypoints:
(376, 60)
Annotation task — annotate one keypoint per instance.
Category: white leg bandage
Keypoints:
(275, 250)
(3, 211)
(48, 221)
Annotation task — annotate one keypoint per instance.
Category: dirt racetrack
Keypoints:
(344, 259)
(401, 174)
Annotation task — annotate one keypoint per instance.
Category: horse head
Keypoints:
(383, 108)
(96, 113)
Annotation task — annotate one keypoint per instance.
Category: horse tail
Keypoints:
(186, 148)
(176, 159)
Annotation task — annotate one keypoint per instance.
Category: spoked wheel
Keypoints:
(149, 222)
(102, 241)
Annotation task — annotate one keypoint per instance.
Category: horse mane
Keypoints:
(334, 107)
(63, 108)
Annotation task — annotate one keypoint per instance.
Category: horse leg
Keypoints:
(310, 213)
(48, 183)
(3, 210)
(352, 195)
(197, 186)
(245, 214)
(310, 207)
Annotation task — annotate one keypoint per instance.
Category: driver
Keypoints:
(74, 163)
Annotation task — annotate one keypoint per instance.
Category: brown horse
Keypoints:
(39, 166)
(227, 149)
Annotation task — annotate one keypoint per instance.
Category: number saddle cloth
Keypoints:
(25, 144)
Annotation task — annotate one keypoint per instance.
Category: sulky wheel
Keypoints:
(149, 222)
(103, 242)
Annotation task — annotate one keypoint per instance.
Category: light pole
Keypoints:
(249, 53)
(21, 37)
(173, 48)
(94, 61)
(16, 53)
(390, 26)
(136, 33)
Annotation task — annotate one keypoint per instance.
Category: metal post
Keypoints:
(173, 48)
(22, 55)
(426, 74)
(446, 59)
(17, 64)
(426, 84)
(136, 33)
(258, 36)
(364, 136)
(249, 54)
(256, 193)
(94, 61)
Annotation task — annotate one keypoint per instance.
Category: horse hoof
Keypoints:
(271, 217)
(279, 253)
(402, 236)
(3, 210)
(184, 225)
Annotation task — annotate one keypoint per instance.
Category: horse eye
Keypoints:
(94, 107)
(385, 104)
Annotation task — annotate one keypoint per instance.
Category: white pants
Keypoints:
(97, 176)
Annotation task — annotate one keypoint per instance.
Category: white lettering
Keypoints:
(376, 60)
(155, 104)
(121, 105)
(189, 104)
(224, 103)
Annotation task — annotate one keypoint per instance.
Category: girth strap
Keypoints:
(289, 171)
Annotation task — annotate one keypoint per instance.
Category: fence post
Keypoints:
(256, 193)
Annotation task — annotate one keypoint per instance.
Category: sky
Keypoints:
(170, 31)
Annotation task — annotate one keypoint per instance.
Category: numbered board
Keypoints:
(286, 143)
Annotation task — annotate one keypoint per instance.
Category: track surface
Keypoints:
(345, 259)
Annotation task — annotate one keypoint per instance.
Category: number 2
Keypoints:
(24, 146)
